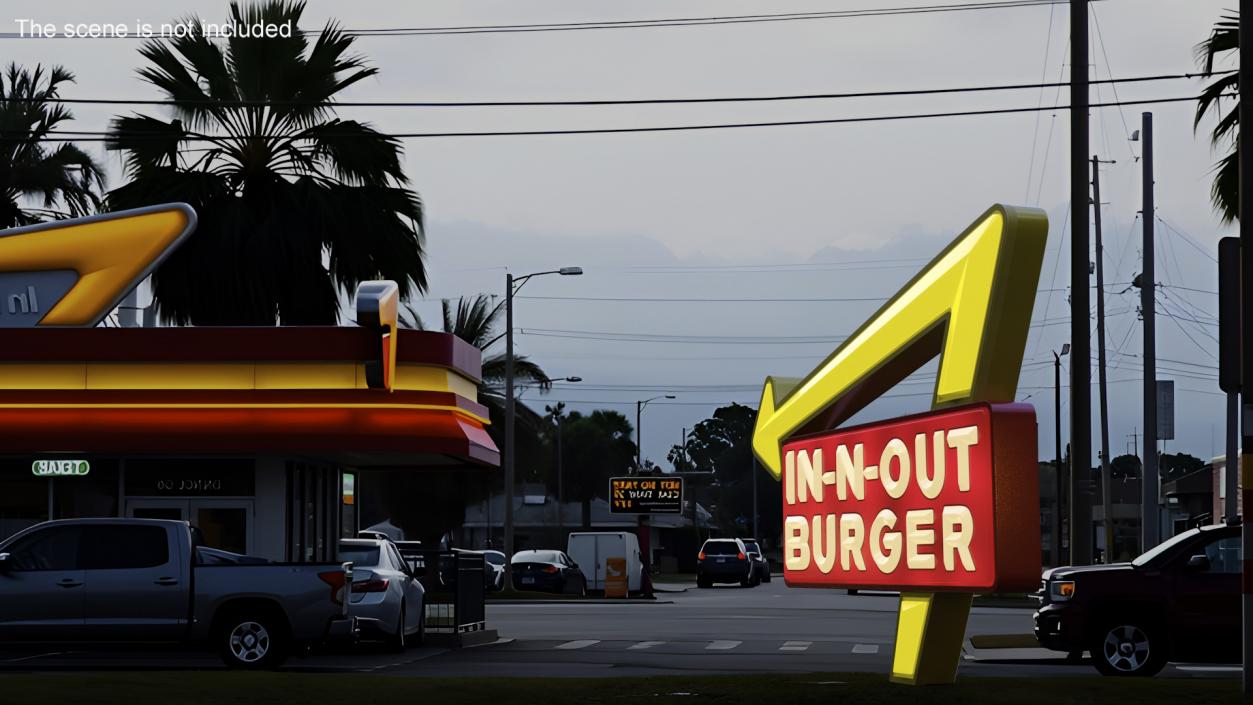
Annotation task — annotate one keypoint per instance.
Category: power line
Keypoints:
(634, 299)
(1109, 72)
(653, 23)
(97, 136)
(216, 103)
(679, 338)
(1187, 239)
(1035, 132)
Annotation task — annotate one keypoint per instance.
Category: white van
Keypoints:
(590, 549)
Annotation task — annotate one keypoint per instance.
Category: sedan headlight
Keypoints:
(1061, 590)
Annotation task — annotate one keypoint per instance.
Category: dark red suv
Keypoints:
(1179, 601)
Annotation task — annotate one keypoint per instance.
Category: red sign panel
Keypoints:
(947, 500)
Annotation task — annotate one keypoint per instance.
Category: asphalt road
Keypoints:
(769, 628)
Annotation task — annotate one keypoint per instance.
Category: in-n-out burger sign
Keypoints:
(941, 505)
(915, 502)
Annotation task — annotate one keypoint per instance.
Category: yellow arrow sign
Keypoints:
(74, 272)
(971, 305)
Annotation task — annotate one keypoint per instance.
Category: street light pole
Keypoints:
(639, 429)
(511, 286)
(642, 533)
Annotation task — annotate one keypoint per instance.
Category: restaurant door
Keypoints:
(225, 523)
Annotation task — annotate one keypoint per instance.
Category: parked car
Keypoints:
(387, 599)
(548, 571)
(760, 564)
(141, 580)
(724, 561)
(1179, 601)
(494, 570)
(589, 549)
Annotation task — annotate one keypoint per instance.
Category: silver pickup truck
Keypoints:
(140, 580)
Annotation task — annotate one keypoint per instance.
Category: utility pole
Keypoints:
(1149, 534)
(1060, 479)
(1229, 365)
(1080, 343)
(1246, 319)
(1107, 503)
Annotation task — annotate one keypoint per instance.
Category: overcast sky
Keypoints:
(819, 212)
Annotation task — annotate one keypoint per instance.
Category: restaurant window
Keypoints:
(348, 510)
(87, 496)
(314, 496)
(23, 497)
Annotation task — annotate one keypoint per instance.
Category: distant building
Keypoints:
(1219, 492)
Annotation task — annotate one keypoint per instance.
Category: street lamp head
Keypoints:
(570, 271)
(1065, 348)
(574, 379)
(670, 396)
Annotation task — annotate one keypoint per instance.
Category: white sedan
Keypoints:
(387, 599)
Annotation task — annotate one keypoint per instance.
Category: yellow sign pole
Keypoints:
(971, 306)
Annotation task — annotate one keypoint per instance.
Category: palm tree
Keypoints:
(1224, 192)
(296, 205)
(64, 179)
(474, 321)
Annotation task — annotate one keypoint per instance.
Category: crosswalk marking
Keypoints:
(577, 644)
(796, 646)
(646, 644)
(865, 648)
(722, 645)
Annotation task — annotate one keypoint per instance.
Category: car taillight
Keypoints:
(376, 585)
(551, 569)
(336, 580)
(700, 556)
(741, 555)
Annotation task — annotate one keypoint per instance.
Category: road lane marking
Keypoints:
(577, 644)
(722, 645)
(865, 648)
(796, 646)
(646, 645)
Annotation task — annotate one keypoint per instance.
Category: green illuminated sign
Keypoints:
(59, 468)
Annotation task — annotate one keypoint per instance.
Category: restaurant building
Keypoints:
(256, 435)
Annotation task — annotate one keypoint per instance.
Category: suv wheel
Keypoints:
(251, 641)
(704, 583)
(1128, 649)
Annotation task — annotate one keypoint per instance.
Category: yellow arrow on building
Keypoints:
(971, 305)
(74, 272)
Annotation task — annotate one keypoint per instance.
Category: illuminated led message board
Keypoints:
(646, 495)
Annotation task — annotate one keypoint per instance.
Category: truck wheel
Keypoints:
(396, 642)
(1125, 648)
(252, 641)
